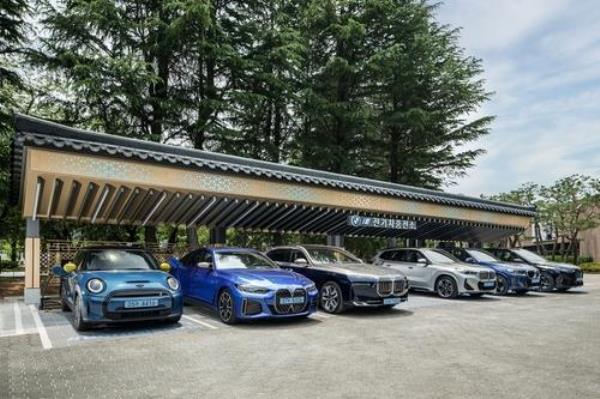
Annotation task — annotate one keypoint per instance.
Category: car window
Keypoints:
(279, 255)
(388, 255)
(297, 254)
(243, 260)
(459, 253)
(504, 255)
(117, 259)
(192, 258)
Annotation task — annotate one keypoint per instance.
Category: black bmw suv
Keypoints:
(554, 276)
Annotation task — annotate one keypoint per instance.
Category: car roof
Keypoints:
(112, 247)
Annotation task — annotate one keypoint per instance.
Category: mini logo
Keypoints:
(139, 285)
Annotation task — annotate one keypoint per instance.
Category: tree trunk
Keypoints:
(13, 250)
(173, 235)
(192, 238)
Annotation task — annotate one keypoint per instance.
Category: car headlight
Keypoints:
(253, 289)
(95, 285)
(465, 271)
(173, 283)
(311, 287)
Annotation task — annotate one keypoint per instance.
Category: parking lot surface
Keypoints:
(536, 346)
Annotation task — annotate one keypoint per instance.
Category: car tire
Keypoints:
(446, 287)
(226, 307)
(501, 285)
(546, 282)
(330, 298)
(78, 322)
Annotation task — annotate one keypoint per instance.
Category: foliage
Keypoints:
(568, 206)
(590, 267)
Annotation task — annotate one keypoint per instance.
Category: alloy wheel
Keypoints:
(546, 282)
(225, 306)
(330, 299)
(446, 288)
(501, 285)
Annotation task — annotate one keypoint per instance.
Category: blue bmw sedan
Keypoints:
(106, 285)
(243, 284)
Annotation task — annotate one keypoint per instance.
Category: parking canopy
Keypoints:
(65, 173)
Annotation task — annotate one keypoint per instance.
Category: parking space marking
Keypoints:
(18, 318)
(41, 329)
(202, 323)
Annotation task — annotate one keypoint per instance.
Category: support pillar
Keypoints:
(218, 236)
(32, 262)
(335, 240)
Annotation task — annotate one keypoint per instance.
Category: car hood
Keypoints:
(360, 270)
(464, 266)
(131, 279)
(265, 277)
(563, 267)
(511, 265)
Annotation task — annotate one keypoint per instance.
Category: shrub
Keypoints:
(590, 267)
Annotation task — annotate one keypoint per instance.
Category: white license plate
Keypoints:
(391, 301)
(489, 284)
(141, 303)
(291, 301)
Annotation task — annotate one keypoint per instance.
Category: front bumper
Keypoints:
(250, 306)
(568, 280)
(111, 308)
(368, 295)
(520, 282)
(474, 285)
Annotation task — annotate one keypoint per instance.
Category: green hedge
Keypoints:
(590, 267)
(6, 264)
(569, 259)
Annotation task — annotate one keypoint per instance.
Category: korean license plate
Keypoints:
(489, 284)
(391, 301)
(141, 303)
(291, 301)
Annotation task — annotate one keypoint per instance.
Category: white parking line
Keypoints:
(202, 323)
(46, 343)
(18, 318)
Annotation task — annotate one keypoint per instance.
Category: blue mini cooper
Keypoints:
(117, 284)
(243, 284)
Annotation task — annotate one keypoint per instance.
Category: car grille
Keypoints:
(398, 286)
(486, 275)
(138, 314)
(579, 274)
(290, 308)
(385, 287)
(139, 293)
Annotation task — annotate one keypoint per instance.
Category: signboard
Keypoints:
(382, 223)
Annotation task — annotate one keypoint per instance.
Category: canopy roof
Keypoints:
(62, 172)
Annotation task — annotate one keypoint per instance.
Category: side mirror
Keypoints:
(422, 261)
(69, 268)
(301, 261)
(165, 267)
(205, 265)
(57, 270)
(470, 260)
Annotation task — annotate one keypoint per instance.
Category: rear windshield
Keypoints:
(118, 259)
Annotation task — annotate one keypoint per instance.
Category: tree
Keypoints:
(424, 89)
(573, 205)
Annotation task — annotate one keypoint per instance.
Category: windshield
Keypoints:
(117, 259)
(437, 256)
(323, 255)
(481, 256)
(243, 260)
(529, 256)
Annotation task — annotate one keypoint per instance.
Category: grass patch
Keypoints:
(590, 267)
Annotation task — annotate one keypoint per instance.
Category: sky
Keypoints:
(542, 61)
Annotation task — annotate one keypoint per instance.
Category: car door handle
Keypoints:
(411, 267)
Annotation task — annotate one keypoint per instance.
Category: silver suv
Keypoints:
(437, 271)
